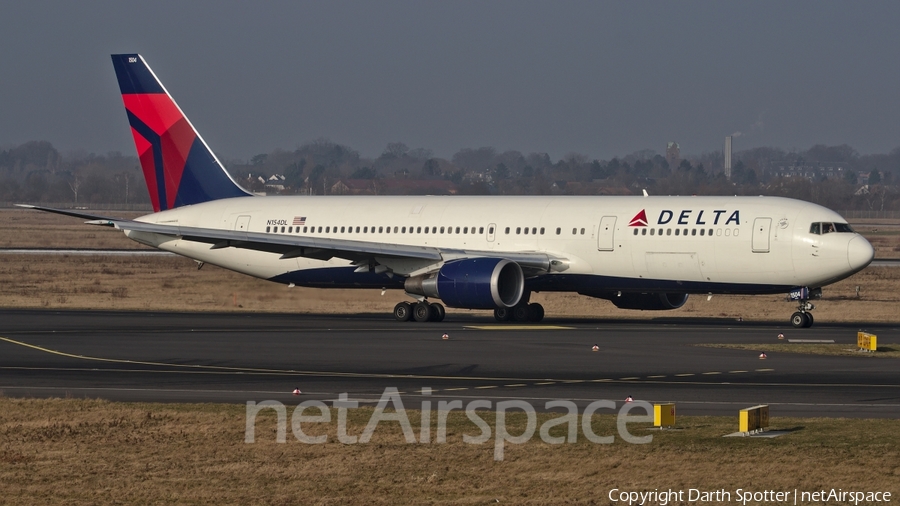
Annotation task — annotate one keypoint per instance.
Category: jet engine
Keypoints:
(472, 283)
(650, 301)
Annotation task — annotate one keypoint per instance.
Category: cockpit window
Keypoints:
(843, 227)
(827, 228)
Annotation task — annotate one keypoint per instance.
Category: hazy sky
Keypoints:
(597, 78)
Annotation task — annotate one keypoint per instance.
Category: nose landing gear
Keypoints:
(803, 318)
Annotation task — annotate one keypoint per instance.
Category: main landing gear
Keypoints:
(419, 311)
(521, 313)
(425, 311)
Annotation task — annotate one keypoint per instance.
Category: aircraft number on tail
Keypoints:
(132, 59)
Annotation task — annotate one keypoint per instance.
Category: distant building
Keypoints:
(803, 169)
(673, 155)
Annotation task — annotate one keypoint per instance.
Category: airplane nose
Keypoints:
(860, 253)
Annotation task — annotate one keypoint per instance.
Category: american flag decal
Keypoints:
(299, 220)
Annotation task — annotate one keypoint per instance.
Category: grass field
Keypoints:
(63, 451)
(886, 350)
(67, 451)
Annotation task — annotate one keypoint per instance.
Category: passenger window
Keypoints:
(304, 230)
(267, 229)
(433, 230)
(465, 230)
(457, 230)
(442, 230)
(643, 231)
(290, 230)
(737, 231)
(701, 231)
(426, 230)
(403, 230)
(652, 230)
(507, 230)
(542, 230)
(395, 229)
(419, 230)
(327, 229)
(582, 231)
(387, 230)
(342, 230)
(676, 231)
(727, 232)
(558, 230)
(574, 231)
(668, 231)
(635, 231)
(710, 232)
(526, 230)
(518, 230)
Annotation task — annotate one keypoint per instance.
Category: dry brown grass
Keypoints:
(174, 284)
(62, 451)
(22, 228)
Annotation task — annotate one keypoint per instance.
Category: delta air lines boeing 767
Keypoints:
(639, 252)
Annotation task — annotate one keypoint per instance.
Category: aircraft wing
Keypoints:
(321, 248)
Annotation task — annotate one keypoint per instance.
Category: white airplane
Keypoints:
(646, 253)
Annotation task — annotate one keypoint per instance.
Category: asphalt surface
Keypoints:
(198, 357)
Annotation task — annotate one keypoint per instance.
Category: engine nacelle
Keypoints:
(650, 301)
(472, 283)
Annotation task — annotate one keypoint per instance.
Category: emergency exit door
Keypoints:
(606, 234)
(242, 224)
(761, 229)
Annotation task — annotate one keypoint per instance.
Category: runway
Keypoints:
(214, 357)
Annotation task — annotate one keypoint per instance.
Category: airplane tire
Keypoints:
(437, 312)
(502, 314)
(520, 313)
(403, 312)
(535, 312)
(422, 312)
(798, 320)
(809, 320)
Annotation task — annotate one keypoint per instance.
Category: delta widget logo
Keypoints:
(639, 220)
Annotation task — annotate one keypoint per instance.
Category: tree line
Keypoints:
(837, 177)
